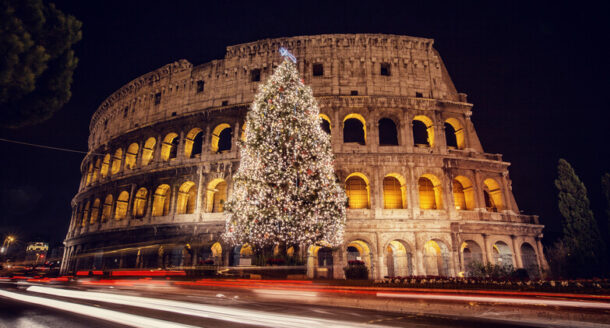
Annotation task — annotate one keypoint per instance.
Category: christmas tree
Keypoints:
(285, 191)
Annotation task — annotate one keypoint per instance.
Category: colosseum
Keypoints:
(424, 197)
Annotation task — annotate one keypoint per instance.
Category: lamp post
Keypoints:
(6, 244)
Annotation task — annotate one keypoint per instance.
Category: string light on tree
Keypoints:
(285, 190)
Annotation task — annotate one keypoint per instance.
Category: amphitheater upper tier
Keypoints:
(351, 63)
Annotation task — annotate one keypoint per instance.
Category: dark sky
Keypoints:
(538, 75)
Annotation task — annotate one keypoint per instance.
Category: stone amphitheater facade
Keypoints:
(424, 197)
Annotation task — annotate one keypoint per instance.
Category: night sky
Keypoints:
(538, 76)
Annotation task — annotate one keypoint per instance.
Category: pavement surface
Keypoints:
(243, 303)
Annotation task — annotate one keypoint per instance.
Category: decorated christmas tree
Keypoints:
(285, 191)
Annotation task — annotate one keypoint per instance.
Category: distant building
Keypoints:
(36, 252)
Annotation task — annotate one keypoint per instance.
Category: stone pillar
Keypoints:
(180, 150)
(486, 251)
(412, 190)
(449, 203)
(312, 261)
(440, 139)
(132, 195)
(508, 206)
(200, 191)
(517, 260)
(139, 155)
(337, 131)
(409, 141)
(479, 198)
(149, 204)
(372, 142)
(542, 264)
(173, 200)
(157, 155)
(235, 135)
(419, 258)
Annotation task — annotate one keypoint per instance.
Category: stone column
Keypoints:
(517, 260)
(139, 155)
(132, 195)
(419, 257)
(180, 150)
(486, 252)
(235, 135)
(149, 204)
(173, 200)
(412, 189)
(409, 132)
(200, 191)
(477, 186)
(157, 155)
(508, 206)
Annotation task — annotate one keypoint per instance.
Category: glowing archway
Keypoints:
(221, 138)
(149, 151)
(394, 188)
(463, 193)
(357, 190)
(430, 193)
(493, 195)
(161, 200)
(187, 198)
(427, 126)
(457, 134)
(131, 156)
(354, 128)
(216, 195)
(121, 205)
(193, 143)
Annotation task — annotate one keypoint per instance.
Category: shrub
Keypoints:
(356, 269)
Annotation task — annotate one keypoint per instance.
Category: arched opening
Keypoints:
(493, 195)
(357, 190)
(148, 153)
(450, 138)
(436, 258)
(242, 255)
(243, 131)
(393, 192)
(388, 135)
(117, 159)
(140, 202)
(187, 196)
(131, 156)
(359, 251)
(423, 131)
(221, 138)
(216, 195)
(454, 134)
(96, 170)
(399, 259)
(354, 129)
(472, 254)
(325, 123)
(161, 200)
(193, 143)
(86, 213)
(502, 254)
(463, 193)
(430, 192)
(105, 166)
(529, 260)
(169, 147)
(89, 174)
(107, 210)
(121, 206)
(95, 211)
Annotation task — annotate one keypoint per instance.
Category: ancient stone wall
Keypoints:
(164, 147)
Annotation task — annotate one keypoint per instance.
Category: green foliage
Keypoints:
(37, 60)
(606, 192)
(557, 256)
(581, 235)
(488, 270)
(356, 271)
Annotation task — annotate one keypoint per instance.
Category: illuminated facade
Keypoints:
(424, 198)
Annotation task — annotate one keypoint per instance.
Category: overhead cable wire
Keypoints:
(48, 147)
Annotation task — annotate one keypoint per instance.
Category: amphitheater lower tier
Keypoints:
(389, 243)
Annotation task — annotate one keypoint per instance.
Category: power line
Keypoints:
(48, 147)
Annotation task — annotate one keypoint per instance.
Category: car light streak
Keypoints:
(506, 300)
(231, 314)
(103, 314)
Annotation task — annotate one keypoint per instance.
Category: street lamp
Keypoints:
(5, 245)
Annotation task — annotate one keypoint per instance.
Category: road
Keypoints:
(163, 304)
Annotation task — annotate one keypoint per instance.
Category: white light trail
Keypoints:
(507, 300)
(103, 314)
(231, 314)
